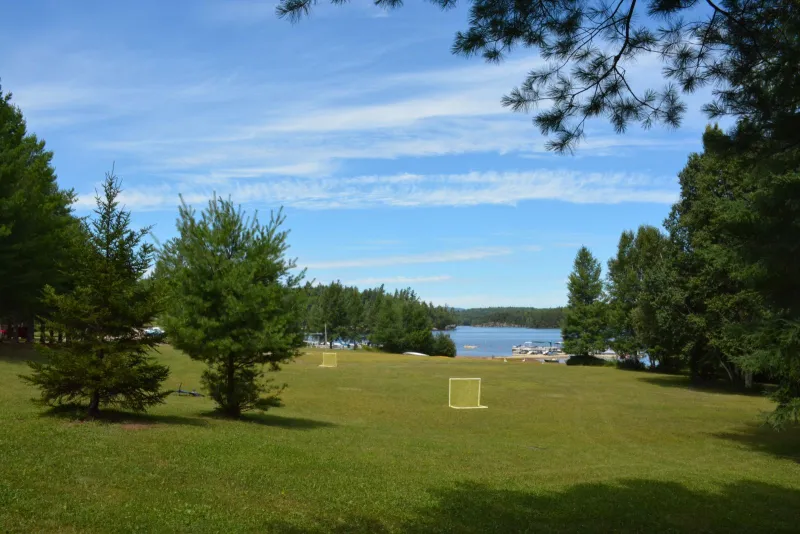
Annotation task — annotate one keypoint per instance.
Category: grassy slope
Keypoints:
(371, 446)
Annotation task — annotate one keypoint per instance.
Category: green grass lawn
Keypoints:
(371, 446)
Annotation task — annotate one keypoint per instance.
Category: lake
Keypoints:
(498, 341)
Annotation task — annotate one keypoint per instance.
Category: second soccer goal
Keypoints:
(328, 359)
(465, 393)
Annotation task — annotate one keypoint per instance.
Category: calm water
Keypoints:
(498, 341)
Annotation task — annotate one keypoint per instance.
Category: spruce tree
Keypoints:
(233, 302)
(105, 360)
(584, 328)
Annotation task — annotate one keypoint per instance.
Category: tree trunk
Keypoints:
(233, 409)
(694, 373)
(60, 336)
(50, 339)
(31, 330)
(94, 405)
(41, 332)
(15, 333)
(748, 380)
(727, 370)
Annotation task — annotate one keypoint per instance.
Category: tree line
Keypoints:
(716, 291)
(511, 316)
(397, 321)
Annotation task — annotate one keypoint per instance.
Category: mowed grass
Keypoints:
(371, 446)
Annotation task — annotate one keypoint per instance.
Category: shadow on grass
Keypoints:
(77, 413)
(626, 506)
(762, 438)
(717, 386)
(278, 421)
(19, 353)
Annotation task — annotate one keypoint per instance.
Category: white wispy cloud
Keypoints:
(410, 190)
(189, 117)
(410, 259)
(399, 280)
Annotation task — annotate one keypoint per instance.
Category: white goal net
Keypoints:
(465, 393)
(328, 359)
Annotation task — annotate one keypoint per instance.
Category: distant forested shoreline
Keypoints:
(511, 316)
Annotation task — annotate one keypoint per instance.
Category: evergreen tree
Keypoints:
(334, 312)
(737, 222)
(584, 329)
(106, 359)
(234, 302)
(403, 324)
(36, 223)
(623, 296)
(640, 277)
(357, 328)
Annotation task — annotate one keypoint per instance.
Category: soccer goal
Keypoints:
(465, 393)
(328, 359)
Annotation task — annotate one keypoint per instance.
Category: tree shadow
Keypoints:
(77, 413)
(716, 386)
(278, 421)
(762, 438)
(20, 353)
(624, 506)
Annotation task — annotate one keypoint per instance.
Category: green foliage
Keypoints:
(338, 310)
(233, 301)
(36, 223)
(630, 364)
(742, 218)
(512, 316)
(641, 281)
(585, 329)
(105, 360)
(442, 317)
(397, 322)
(586, 361)
(716, 300)
(403, 324)
(590, 46)
(443, 345)
(721, 294)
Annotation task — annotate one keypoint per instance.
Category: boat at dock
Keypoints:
(537, 349)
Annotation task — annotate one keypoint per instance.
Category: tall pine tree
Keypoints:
(584, 328)
(106, 360)
(234, 302)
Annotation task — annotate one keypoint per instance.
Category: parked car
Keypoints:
(154, 331)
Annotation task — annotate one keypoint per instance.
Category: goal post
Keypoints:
(464, 393)
(328, 359)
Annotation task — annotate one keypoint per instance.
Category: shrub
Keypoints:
(630, 364)
(591, 361)
(443, 345)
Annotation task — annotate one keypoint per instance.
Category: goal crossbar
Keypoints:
(477, 395)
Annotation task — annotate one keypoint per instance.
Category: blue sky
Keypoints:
(394, 160)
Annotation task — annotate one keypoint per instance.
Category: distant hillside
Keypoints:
(524, 317)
